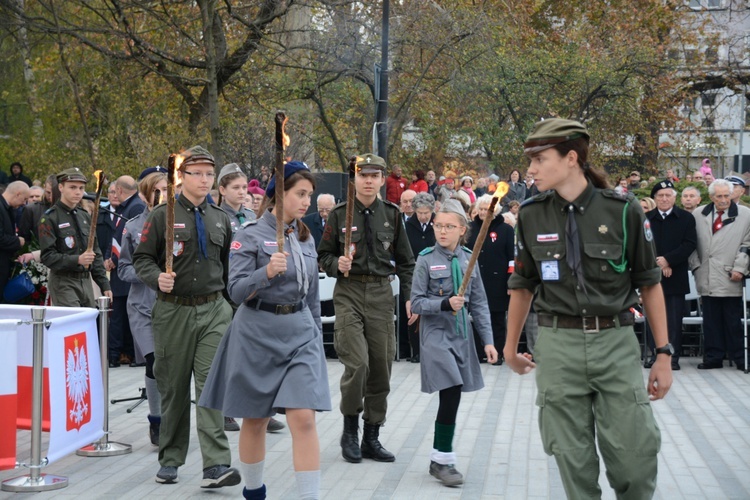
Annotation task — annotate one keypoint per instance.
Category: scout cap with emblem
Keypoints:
(370, 164)
(71, 174)
(195, 155)
(231, 168)
(152, 170)
(665, 184)
(552, 131)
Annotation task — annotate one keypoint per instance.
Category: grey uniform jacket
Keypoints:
(141, 298)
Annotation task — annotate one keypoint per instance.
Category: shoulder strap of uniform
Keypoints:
(611, 193)
(427, 250)
(391, 204)
(249, 222)
(466, 249)
(49, 210)
(537, 198)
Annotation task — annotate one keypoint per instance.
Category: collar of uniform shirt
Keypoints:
(182, 200)
(580, 203)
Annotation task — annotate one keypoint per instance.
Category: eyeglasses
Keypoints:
(201, 175)
(445, 227)
(320, 209)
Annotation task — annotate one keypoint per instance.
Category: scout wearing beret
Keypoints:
(364, 333)
(584, 250)
(189, 317)
(63, 237)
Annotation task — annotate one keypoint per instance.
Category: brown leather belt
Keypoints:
(589, 324)
(366, 278)
(196, 300)
(275, 308)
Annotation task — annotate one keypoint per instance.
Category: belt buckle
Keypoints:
(586, 329)
(284, 308)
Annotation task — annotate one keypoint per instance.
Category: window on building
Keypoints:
(712, 55)
(707, 122)
(691, 56)
(706, 4)
(708, 100)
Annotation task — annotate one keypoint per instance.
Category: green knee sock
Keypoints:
(443, 440)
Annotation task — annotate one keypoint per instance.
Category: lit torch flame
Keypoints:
(178, 161)
(287, 140)
(501, 189)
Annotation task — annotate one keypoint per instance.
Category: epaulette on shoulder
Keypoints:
(466, 249)
(611, 193)
(537, 198)
(427, 251)
(249, 222)
(216, 207)
(49, 210)
(391, 204)
(340, 204)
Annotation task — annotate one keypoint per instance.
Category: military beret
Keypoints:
(253, 187)
(289, 169)
(665, 184)
(736, 180)
(370, 164)
(552, 131)
(71, 174)
(152, 170)
(231, 168)
(195, 155)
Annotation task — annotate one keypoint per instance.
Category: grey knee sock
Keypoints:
(154, 398)
(308, 484)
(252, 474)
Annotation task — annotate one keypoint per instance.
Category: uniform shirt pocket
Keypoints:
(216, 240)
(441, 283)
(601, 253)
(182, 239)
(385, 240)
(356, 239)
(67, 240)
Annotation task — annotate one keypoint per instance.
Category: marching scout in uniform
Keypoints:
(449, 363)
(151, 184)
(364, 332)
(271, 358)
(585, 250)
(63, 237)
(189, 318)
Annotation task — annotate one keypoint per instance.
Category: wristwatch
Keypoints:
(667, 349)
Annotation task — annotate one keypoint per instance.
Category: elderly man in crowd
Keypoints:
(14, 196)
(719, 264)
(317, 221)
(406, 209)
(674, 235)
(691, 198)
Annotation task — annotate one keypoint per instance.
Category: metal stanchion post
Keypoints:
(104, 447)
(36, 481)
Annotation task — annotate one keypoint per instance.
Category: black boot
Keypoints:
(350, 440)
(371, 447)
(153, 429)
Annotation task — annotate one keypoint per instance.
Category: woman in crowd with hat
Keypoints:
(232, 183)
(584, 250)
(256, 194)
(271, 358)
(152, 184)
(467, 186)
(448, 362)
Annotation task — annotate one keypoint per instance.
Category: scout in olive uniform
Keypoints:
(585, 249)
(189, 318)
(364, 333)
(63, 236)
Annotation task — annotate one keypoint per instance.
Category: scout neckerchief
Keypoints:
(458, 277)
(299, 261)
(201, 228)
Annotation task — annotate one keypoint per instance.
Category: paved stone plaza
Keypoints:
(705, 423)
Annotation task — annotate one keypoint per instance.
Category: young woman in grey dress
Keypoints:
(141, 298)
(271, 358)
(448, 357)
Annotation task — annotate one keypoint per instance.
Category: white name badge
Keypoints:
(547, 237)
(550, 270)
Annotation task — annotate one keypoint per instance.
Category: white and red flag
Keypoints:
(8, 393)
(77, 397)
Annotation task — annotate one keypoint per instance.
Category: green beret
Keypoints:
(195, 155)
(370, 164)
(71, 174)
(552, 131)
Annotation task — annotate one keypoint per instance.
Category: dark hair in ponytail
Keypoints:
(581, 147)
